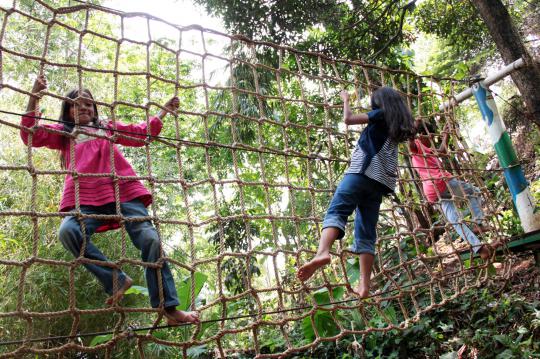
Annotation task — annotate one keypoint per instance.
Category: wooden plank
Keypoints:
(525, 242)
(520, 243)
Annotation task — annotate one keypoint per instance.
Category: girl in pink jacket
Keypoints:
(96, 183)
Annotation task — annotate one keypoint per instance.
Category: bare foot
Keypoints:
(487, 250)
(307, 270)
(175, 316)
(362, 290)
(479, 229)
(117, 297)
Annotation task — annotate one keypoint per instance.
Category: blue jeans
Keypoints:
(143, 235)
(470, 193)
(360, 193)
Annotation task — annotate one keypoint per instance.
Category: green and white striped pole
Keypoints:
(515, 178)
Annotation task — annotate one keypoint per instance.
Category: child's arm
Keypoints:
(170, 107)
(348, 117)
(412, 146)
(136, 134)
(33, 101)
(40, 137)
(443, 148)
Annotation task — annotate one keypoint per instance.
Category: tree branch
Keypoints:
(409, 6)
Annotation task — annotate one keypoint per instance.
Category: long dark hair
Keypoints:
(67, 121)
(397, 115)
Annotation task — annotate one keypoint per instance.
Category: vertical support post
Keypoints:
(515, 178)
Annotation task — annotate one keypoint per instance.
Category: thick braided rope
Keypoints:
(312, 145)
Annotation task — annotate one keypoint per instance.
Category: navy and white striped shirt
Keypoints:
(376, 155)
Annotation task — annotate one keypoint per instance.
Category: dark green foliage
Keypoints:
(371, 31)
(466, 45)
(237, 235)
(485, 322)
(459, 23)
(480, 319)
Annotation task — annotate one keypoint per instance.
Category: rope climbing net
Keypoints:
(240, 176)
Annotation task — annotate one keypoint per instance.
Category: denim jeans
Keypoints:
(454, 215)
(143, 235)
(360, 193)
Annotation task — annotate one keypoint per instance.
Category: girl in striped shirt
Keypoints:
(371, 175)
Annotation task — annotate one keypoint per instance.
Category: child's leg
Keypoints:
(452, 215)
(145, 238)
(472, 195)
(322, 258)
(365, 236)
(71, 236)
(366, 265)
(342, 206)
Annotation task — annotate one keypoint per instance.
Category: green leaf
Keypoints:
(390, 312)
(507, 354)
(503, 339)
(353, 270)
(99, 339)
(136, 289)
(184, 290)
(195, 352)
(307, 328)
(325, 324)
(446, 327)
(159, 334)
(338, 293)
(359, 323)
(322, 296)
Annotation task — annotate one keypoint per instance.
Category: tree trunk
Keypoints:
(511, 47)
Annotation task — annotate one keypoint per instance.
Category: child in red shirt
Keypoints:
(440, 187)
